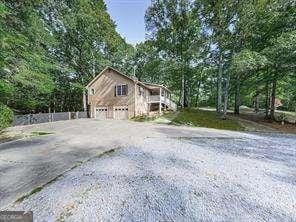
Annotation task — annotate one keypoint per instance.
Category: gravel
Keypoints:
(251, 177)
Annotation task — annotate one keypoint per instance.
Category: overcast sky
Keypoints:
(129, 18)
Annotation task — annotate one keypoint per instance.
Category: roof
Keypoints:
(103, 71)
(156, 85)
(144, 84)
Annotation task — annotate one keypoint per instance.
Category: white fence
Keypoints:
(29, 119)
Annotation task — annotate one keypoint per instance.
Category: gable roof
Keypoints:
(126, 76)
(103, 71)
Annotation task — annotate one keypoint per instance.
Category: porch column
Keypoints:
(84, 99)
(160, 100)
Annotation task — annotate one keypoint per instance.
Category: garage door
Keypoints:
(101, 112)
(120, 112)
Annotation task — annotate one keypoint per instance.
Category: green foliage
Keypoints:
(33, 81)
(6, 91)
(175, 32)
(6, 116)
(51, 49)
(239, 50)
(248, 61)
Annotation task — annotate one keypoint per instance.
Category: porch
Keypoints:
(160, 100)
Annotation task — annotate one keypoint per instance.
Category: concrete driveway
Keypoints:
(156, 172)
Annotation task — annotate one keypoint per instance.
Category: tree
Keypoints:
(51, 49)
(172, 26)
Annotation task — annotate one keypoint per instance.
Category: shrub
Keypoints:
(6, 116)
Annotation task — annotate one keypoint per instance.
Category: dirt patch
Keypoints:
(7, 137)
(265, 124)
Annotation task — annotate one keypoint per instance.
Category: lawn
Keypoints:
(204, 118)
(194, 117)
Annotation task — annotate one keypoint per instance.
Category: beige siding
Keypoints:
(142, 107)
(104, 95)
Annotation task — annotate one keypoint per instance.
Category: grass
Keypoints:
(143, 118)
(194, 117)
(7, 136)
(40, 133)
(36, 190)
(204, 118)
(165, 118)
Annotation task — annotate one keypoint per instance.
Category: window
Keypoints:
(92, 91)
(141, 91)
(121, 90)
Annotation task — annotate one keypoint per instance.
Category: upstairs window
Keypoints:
(120, 90)
(141, 91)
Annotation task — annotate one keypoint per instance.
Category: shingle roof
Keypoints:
(147, 85)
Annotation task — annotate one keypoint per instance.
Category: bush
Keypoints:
(6, 116)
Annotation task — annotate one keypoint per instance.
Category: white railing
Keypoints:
(167, 101)
(173, 106)
(154, 98)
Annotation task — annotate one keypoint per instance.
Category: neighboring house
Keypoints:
(114, 95)
(278, 103)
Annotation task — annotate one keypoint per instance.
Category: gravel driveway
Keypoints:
(164, 173)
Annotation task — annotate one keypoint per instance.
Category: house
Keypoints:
(277, 103)
(114, 95)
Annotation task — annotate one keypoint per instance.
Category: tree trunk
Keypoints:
(273, 94)
(197, 94)
(267, 102)
(256, 101)
(226, 96)
(219, 85)
(182, 98)
(256, 105)
(186, 90)
(237, 97)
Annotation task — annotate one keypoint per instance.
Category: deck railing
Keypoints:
(165, 100)
(154, 98)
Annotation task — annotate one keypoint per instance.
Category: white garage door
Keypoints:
(120, 112)
(101, 112)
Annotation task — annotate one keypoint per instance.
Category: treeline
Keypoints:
(51, 49)
(224, 53)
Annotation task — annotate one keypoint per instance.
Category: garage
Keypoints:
(101, 112)
(120, 112)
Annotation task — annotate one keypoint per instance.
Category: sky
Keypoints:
(129, 18)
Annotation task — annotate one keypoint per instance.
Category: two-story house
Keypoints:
(114, 95)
